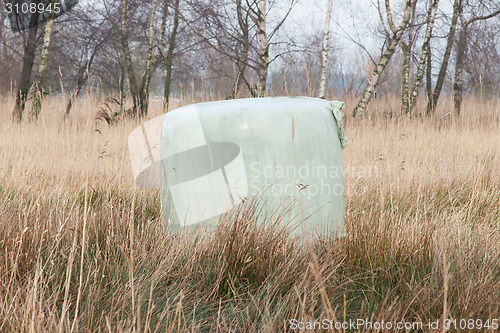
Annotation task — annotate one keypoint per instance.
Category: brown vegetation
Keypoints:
(82, 247)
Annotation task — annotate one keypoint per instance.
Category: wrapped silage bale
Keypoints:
(212, 156)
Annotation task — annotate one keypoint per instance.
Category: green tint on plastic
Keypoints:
(287, 150)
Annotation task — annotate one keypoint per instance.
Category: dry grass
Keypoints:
(82, 248)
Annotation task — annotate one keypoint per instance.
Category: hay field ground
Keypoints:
(81, 247)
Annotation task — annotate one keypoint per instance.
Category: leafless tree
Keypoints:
(94, 33)
(406, 47)
(234, 48)
(490, 9)
(424, 55)
(434, 94)
(170, 53)
(240, 31)
(40, 84)
(482, 64)
(140, 90)
(28, 61)
(324, 50)
(392, 42)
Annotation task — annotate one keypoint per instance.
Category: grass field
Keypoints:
(82, 247)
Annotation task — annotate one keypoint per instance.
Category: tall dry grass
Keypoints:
(82, 247)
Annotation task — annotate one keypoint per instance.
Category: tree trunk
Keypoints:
(241, 66)
(384, 60)
(431, 106)
(405, 84)
(241, 63)
(170, 56)
(28, 60)
(140, 93)
(148, 74)
(458, 85)
(459, 67)
(428, 75)
(121, 83)
(263, 48)
(134, 89)
(40, 84)
(425, 53)
(324, 50)
(407, 48)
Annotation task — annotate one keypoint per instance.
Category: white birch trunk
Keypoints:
(407, 49)
(47, 39)
(263, 48)
(324, 50)
(384, 60)
(149, 57)
(42, 69)
(432, 103)
(423, 56)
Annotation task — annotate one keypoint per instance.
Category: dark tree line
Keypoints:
(239, 48)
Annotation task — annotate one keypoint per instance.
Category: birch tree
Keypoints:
(392, 42)
(258, 11)
(263, 47)
(407, 52)
(40, 83)
(436, 92)
(406, 47)
(240, 31)
(324, 50)
(139, 91)
(424, 55)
